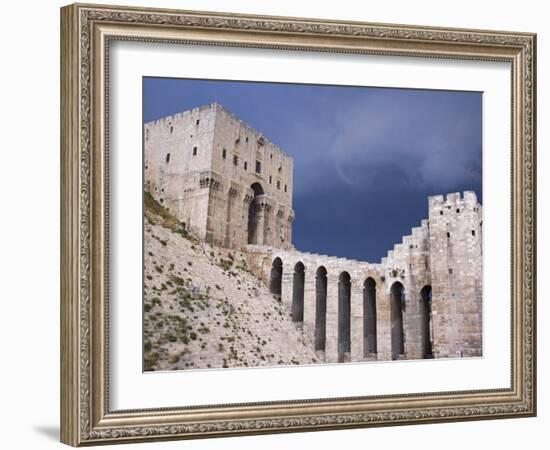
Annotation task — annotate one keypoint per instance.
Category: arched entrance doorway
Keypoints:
(425, 320)
(298, 293)
(255, 222)
(320, 308)
(344, 316)
(369, 317)
(276, 278)
(397, 304)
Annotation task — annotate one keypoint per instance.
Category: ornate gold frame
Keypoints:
(86, 31)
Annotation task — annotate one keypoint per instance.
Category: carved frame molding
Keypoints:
(86, 31)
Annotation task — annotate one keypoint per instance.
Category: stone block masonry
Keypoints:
(424, 300)
(233, 189)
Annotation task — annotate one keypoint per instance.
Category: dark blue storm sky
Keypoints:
(365, 159)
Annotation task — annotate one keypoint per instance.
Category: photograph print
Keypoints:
(295, 224)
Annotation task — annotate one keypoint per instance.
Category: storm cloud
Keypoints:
(365, 159)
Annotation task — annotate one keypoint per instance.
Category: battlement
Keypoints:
(452, 200)
(166, 120)
(260, 137)
(213, 108)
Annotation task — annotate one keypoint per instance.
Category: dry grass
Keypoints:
(158, 214)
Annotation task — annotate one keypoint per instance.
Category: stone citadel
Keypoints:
(233, 188)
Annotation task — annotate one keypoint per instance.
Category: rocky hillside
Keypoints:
(203, 308)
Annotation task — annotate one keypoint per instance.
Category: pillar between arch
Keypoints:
(309, 306)
(383, 323)
(331, 345)
(356, 318)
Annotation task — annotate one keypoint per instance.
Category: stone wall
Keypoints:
(410, 306)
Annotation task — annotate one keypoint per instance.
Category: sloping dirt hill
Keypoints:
(203, 307)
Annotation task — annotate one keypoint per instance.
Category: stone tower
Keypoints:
(456, 274)
(223, 179)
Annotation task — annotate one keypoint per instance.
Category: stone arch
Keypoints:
(320, 308)
(426, 321)
(276, 277)
(344, 316)
(255, 224)
(397, 303)
(369, 317)
(298, 281)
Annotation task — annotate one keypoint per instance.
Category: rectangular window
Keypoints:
(473, 232)
(235, 160)
(270, 178)
(224, 153)
(198, 121)
(195, 149)
(258, 167)
(285, 187)
(167, 158)
(278, 184)
(245, 165)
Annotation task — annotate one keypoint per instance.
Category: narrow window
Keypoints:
(167, 158)
(198, 121)
(441, 212)
(458, 210)
(285, 187)
(246, 139)
(195, 151)
(473, 232)
(271, 156)
(245, 165)
(448, 234)
(278, 184)
(450, 271)
(258, 167)
(224, 153)
(270, 179)
(235, 160)
(171, 130)
(280, 168)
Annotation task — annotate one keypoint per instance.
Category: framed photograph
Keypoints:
(276, 224)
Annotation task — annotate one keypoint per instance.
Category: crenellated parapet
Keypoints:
(291, 216)
(210, 179)
(248, 196)
(234, 190)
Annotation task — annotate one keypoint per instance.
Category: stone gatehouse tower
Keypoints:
(224, 180)
(233, 188)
